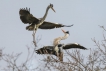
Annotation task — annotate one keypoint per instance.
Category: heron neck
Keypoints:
(44, 17)
(57, 40)
(65, 36)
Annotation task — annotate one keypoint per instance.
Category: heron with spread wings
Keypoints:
(58, 50)
(27, 18)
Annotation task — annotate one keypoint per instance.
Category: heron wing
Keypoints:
(51, 25)
(46, 50)
(73, 45)
(26, 17)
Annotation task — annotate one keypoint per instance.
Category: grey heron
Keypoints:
(57, 40)
(58, 50)
(27, 18)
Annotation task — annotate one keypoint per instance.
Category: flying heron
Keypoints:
(58, 50)
(27, 18)
(57, 40)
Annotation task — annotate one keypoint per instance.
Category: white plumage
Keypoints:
(57, 40)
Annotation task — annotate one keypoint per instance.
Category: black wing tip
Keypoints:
(25, 9)
(68, 25)
(38, 52)
(85, 48)
(82, 47)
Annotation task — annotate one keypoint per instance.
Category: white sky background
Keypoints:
(86, 15)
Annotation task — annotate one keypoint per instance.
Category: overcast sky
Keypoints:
(86, 15)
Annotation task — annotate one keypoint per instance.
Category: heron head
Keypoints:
(65, 32)
(51, 6)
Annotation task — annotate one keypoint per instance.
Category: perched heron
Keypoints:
(58, 50)
(27, 18)
(57, 40)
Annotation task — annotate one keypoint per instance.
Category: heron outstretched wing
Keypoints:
(51, 25)
(26, 17)
(47, 25)
(46, 50)
(73, 45)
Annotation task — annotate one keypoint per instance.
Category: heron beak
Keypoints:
(63, 31)
(53, 9)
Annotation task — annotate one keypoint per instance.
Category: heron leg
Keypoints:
(34, 31)
(61, 57)
(57, 55)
